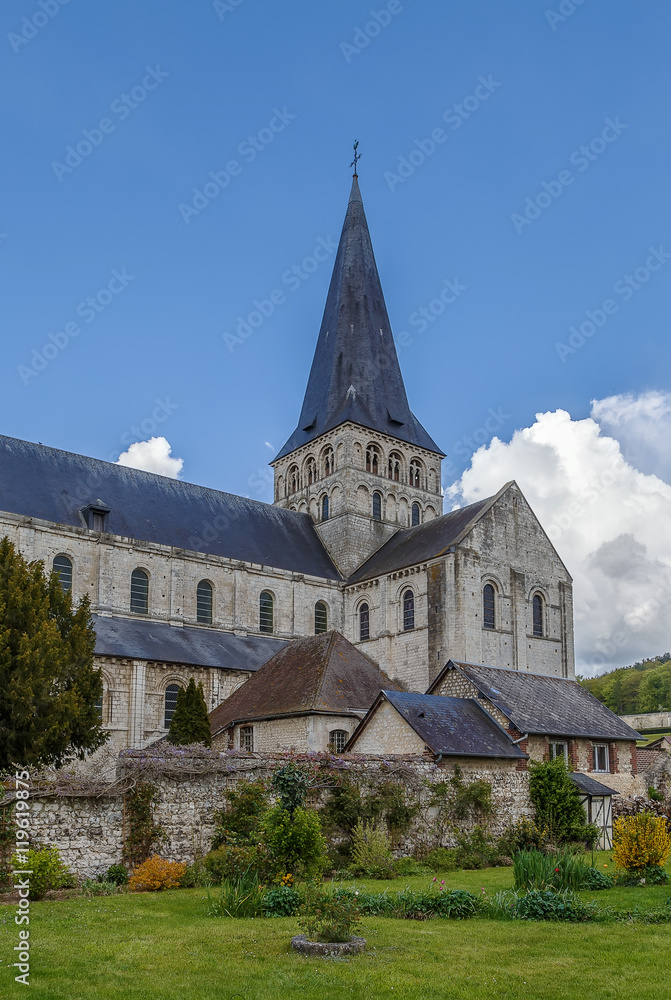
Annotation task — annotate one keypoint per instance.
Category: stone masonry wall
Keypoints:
(89, 829)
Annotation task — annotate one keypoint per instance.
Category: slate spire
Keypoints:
(355, 373)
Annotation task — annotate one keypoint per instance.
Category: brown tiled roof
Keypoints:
(324, 673)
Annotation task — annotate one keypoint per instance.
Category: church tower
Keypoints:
(359, 461)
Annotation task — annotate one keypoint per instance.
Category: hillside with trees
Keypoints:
(642, 687)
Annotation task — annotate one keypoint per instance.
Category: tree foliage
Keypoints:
(190, 723)
(49, 684)
(642, 687)
(557, 801)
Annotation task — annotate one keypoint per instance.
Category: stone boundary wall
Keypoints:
(88, 825)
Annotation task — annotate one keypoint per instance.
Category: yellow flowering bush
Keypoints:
(157, 873)
(640, 842)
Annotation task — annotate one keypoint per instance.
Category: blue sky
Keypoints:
(199, 80)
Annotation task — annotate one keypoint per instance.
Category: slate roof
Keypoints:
(324, 673)
(355, 373)
(42, 482)
(536, 703)
(138, 639)
(425, 541)
(451, 726)
(590, 785)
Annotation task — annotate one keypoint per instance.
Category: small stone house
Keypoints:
(550, 717)
(310, 696)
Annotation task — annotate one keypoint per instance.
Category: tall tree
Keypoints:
(49, 686)
(190, 723)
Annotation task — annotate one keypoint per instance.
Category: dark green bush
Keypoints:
(282, 901)
(523, 835)
(474, 850)
(545, 904)
(231, 862)
(294, 842)
(557, 802)
(408, 904)
(408, 866)
(239, 821)
(196, 875)
(652, 875)
(594, 878)
(441, 859)
(117, 874)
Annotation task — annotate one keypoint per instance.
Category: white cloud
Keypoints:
(610, 522)
(642, 425)
(152, 456)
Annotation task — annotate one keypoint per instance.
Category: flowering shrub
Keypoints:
(157, 873)
(640, 842)
(329, 916)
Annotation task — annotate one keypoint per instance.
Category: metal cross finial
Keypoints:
(357, 157)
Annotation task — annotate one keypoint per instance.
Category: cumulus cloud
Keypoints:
(152, 456)
(642, 426)
(610, 521)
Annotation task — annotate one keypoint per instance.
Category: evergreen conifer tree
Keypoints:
(190, 723)
(49, 686)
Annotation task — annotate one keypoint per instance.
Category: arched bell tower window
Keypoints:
(373, 459)
(364, 622)
(394, 466)
(321, 618)
(63, 566)
(325, 507)
(328, 461)
(293, 479)
(204, 603)
(416, 514)
(266, 615)
(408, 611)
(538, 615)
(311, 471)
(488, 606)
(415, 472)
(377, 506)
(139, 592)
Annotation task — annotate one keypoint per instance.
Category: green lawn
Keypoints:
(148, 946)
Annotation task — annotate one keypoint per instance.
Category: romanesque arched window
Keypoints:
(139, 592)
(364, 622)
(293, 479)
(321, 618)
(488, 606)
(415, 472)
(328, 462)
(99, 706)
(337, 740)
(394, 466)
(204, 603)
(373, 459)
(311, 471)
(377, 506)
(537, 613)
(408, 611)
(325, 507)
(63, 566)
(266, 609)
(170, 703)
(416, 514)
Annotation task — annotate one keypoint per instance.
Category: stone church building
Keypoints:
(192, 582)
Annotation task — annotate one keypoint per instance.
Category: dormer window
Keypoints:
(95, 515)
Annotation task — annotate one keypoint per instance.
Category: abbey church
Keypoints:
(191, 582)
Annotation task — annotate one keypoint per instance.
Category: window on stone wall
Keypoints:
(247, 738)
(170, 704)
(311, 471)
(364, 622)
(416, 514)
(99, 707)
(337, 740)
(394, 466)
(408, 610)
(373, 459)
(293, 479)
(537, 615)
(321, 618)
(415, 472)
(204, 603)
(377, 506)
(266, 623)
(139, 592)
(63, 566)
(328, 461)
(488, 606)
(325, 507)
(559, 749)
(601, 757)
